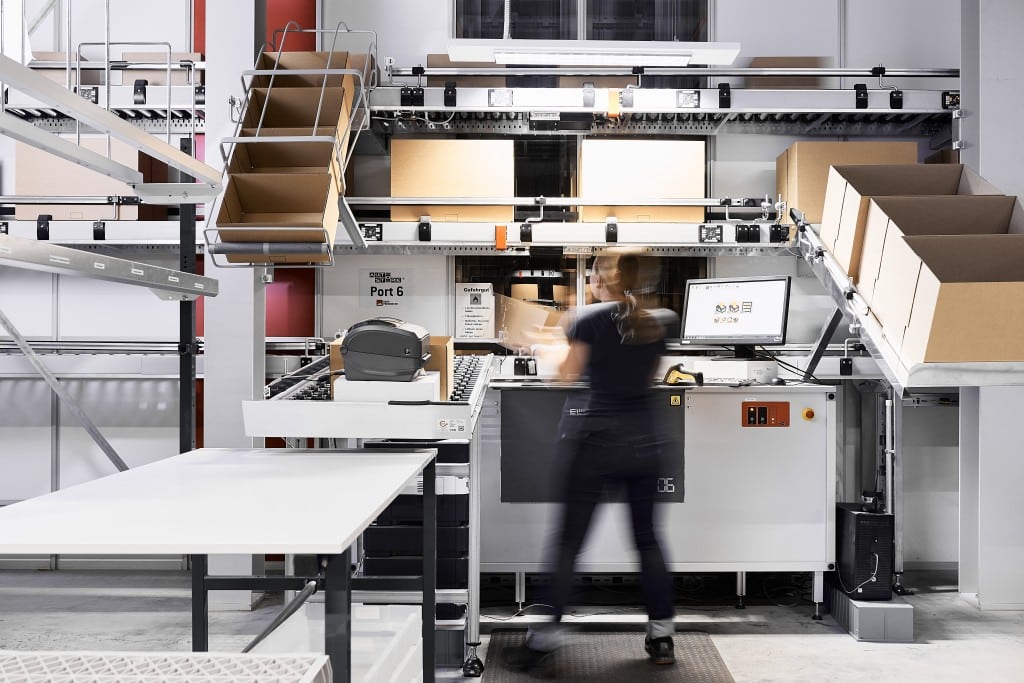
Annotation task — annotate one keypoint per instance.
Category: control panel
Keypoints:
(765, 414)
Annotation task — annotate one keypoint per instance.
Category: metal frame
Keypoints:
(208, 185)
(338, 583)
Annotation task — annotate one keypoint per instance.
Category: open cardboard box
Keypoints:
(801, 171)
(294, 108)
(284, 62)
(279, 207)
(963, 302)
(40, 173)
(891, 218)
(287, 157)
(442, 360)
(452, 168)
(612, 169)
(851, 187)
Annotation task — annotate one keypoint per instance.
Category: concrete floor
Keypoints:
(150, 611)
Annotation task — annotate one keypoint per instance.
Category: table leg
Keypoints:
(429, 568)
(200, 605)
(338, 614)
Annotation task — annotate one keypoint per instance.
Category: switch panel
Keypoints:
(765, 414)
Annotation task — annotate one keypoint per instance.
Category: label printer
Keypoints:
(385, 349)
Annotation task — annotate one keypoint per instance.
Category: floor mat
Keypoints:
(613, 657)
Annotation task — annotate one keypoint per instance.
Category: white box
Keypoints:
(734, 371)
(426, 387)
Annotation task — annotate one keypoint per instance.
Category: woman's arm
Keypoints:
(575, 361)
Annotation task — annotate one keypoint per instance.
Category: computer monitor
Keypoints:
(737, 312)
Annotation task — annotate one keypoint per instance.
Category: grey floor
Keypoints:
(94, 610)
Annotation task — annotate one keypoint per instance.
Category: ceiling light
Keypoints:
(625, 53)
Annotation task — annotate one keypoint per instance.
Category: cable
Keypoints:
(519, 612)
(870, 579)
(767, 355)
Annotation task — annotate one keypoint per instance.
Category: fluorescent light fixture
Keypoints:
(625, 53)
(348, 221)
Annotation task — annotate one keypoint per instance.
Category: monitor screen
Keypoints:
(736, 311)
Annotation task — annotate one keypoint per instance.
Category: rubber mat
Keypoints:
(613, 657)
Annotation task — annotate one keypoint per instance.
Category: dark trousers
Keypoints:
(597, 462)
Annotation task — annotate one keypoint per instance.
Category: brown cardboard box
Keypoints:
(279, 207)
(89, 76)
(452, 168)
(851, 187)
(521, 324)
(943, 156)
(287, 157)
(294, 108)
(801, 172)
(441, 61)
(966, 296)
(290, 61)
(786, 82)
(525, 291)
(442, 360)
(612, 169)
(40, 173)
(157, 75)
(892, 218)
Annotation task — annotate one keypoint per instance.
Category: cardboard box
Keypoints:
(157, 75)
(284, 62)
(787, 82)
(287, 157)
(943, 156)
(851, 187)
(442, 61)
(801, 172)
(892, 218)
(89, 76)
(525, 291)
(520, 324)
(966, 295)
(452, 168)
(279, 207)
(442, 361)
(294, 108)
(612, 169)
(39, 173)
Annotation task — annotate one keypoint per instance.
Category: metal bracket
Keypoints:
(139, 91)
(43, 226)
(423, 232)
(99, 230)
(823, 339)
(896, 99)
(724, 96)
(860, 96)
(526, 233)
(611, 230)
(201, 95)
(450, 94)
(589, 95)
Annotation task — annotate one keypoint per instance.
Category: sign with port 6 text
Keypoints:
(384, 289)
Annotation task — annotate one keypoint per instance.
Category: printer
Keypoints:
(385, 349)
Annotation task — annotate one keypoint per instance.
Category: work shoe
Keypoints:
(537, 663)
(661, 650)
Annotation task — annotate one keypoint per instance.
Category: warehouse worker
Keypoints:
(609, 437)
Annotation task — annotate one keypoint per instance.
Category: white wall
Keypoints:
(407, 30)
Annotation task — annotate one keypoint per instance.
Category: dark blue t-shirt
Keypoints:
(619, 374)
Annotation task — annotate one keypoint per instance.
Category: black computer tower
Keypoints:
(865, 549)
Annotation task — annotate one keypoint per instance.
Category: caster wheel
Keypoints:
(473, 668)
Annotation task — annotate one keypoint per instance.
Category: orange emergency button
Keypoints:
(808, 413)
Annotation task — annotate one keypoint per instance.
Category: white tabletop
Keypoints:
(217, 501)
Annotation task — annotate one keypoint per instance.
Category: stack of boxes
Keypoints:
(286, 193)
(937, 253)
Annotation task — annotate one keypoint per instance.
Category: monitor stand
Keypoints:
(743, 352)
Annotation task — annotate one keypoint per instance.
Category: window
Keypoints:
(671, 20)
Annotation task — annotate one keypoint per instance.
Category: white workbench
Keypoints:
(224, 501)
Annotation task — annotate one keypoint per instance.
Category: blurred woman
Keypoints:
(609, 437)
